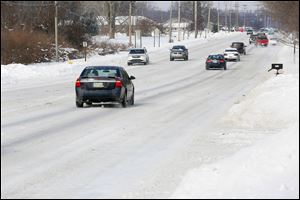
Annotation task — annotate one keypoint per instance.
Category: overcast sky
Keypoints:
(250, 5)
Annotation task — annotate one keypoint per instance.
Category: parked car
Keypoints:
(249, 31)
(231, 54)
(179, 52)
(273, 41)
(215, 61)
(262, 40)
(98, 84)
(252, 38)
(240, 46)
(138, 55)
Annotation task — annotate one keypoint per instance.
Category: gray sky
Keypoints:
(250, 5)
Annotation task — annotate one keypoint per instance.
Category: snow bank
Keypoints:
(270, 167)
(273, 105)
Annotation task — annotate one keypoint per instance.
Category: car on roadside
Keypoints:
(240, 46)
(262, 40)
(249, 31)
(138, 55)
(215, 61)
(179, 52)
(252, 38)
(231, 54)
(104, 84)
(273, 41)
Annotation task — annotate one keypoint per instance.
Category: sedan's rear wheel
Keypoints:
(124, 101)
(79, 104)
(132, 99)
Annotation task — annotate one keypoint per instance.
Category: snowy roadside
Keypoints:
(19, 76)
(270, 167)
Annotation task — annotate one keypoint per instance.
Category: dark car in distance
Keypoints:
(179, 52)
(240, 46)
(215, 61)
(99, 84)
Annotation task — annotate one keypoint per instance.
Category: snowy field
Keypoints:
(192, 133)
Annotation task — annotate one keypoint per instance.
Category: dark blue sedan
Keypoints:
(99, 84)
(215, 61)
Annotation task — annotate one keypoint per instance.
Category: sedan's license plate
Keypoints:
(215, 61)
(98, 85)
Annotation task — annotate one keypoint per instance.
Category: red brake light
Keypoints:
(118, 83)
(209, 60)
(222, 61)
(77, 84)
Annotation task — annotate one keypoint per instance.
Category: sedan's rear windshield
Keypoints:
(216, 57)
(100, 72)
(137, 51)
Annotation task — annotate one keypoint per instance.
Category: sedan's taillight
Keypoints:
(209, 61)
(77, 84)
(222, 61)
(118, 83)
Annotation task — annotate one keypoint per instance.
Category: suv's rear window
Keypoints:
(98, 72)
(262, 38)
(235, 45)
(178, 47)
(137, 51)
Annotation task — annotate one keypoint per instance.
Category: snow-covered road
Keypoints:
(51, 149)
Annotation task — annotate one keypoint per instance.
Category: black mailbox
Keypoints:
(276, 66)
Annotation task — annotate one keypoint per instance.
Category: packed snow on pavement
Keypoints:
(192, 133)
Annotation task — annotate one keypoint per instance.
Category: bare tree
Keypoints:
(286, 13)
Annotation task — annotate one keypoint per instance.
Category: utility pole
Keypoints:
(179, 6)
(237, 13)
(196, 16)
(229, 18)
(56, 43)
(208, 20)
(245, 15)
(129, 23)
(170, 31)
(218, 16)
(226, 15)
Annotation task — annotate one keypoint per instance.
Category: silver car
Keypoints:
(138, 55)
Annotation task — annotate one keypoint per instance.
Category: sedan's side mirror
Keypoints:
(131, 77)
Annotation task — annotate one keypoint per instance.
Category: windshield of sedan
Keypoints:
(100, 72)
(137, 51)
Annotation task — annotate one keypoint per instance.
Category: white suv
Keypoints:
(231, 54)
(138, 55)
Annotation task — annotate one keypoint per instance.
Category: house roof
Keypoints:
(120, 20)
